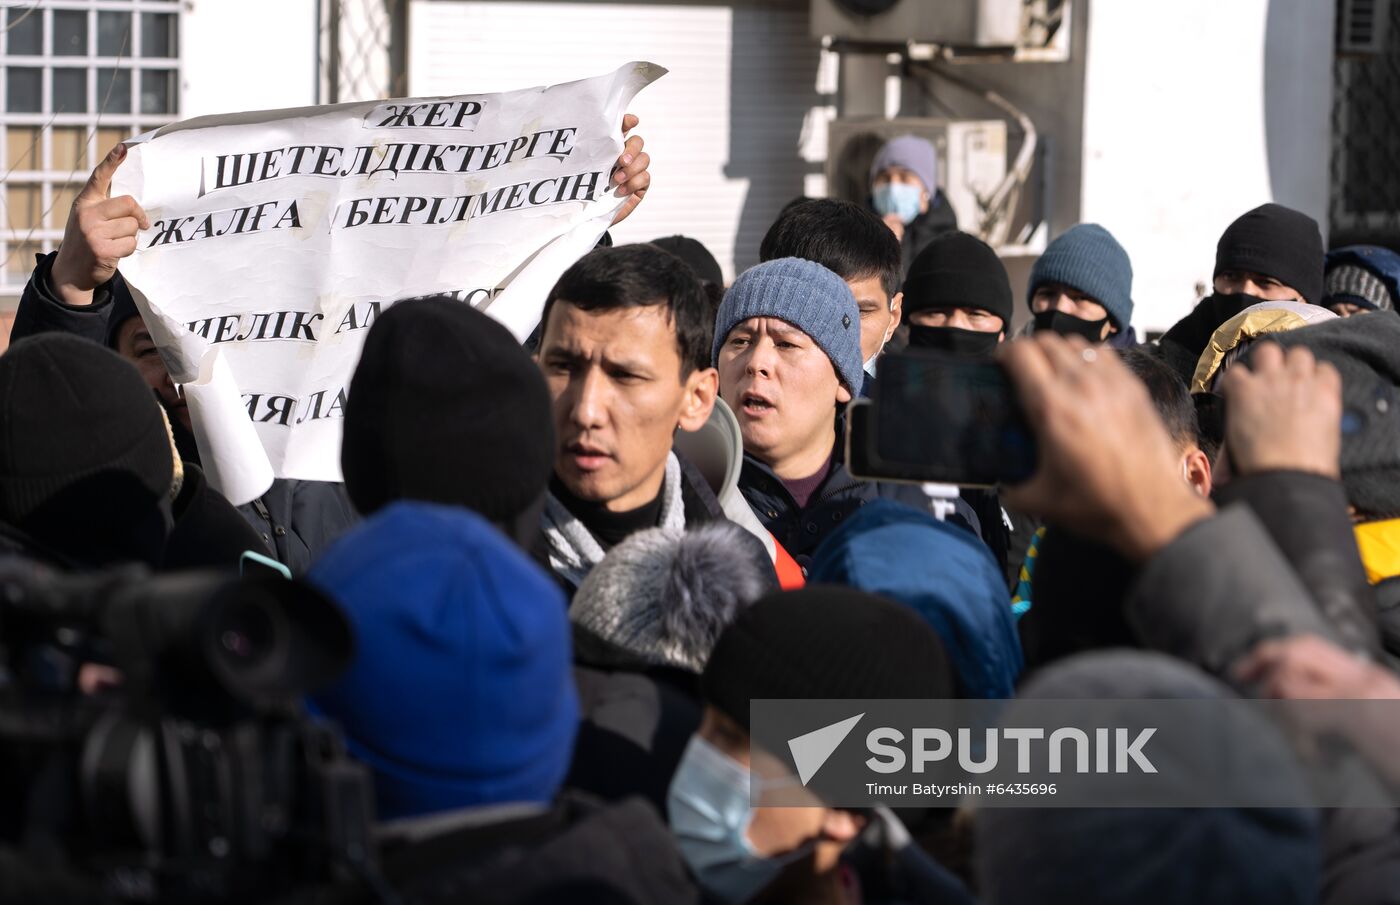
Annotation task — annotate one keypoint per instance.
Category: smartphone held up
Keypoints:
(942, 419)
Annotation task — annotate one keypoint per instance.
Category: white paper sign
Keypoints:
(277, 238)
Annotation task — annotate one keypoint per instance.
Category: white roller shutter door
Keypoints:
(730, 128)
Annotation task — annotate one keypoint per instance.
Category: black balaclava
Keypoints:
(1275, 241)
(974, 344)
(957, 271)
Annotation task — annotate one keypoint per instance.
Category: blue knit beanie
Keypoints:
(806, 295)
(461, 692)
(1088, 258)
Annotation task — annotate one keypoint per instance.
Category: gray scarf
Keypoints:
(574, 551)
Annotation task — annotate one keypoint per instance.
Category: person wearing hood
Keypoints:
(645, 621)
(1227, 344)
(852, 243)
(88, 474)
(957, 298)
(1271, 253)
(1360, 278)
(798, 644)
(904, 192)
(461, 703)
(1157, 855)
(940, 572)
(787, 347)
(1082, 285)
(1363, 349)
(1303, 508)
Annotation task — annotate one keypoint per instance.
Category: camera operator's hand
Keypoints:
(101, 231)
(631, 176)
(1283, 412)
(1107, 467)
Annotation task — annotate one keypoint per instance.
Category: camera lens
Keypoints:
(249, 632)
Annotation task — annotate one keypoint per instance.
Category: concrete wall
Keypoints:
(1193, 115)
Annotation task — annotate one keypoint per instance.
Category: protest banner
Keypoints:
(278, 237)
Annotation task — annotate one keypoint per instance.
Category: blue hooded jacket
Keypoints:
(943, 573)
(461, 692)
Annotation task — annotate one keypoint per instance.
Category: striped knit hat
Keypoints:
(1089, 259)
(1365, 275)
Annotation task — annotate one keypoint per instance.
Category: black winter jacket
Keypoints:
(295, 519)
(577, 851)
(635, 725)
(926, 227)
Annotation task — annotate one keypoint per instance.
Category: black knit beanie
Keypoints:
(694, 253)
(958, 270)
(825, 641)
(71, 410)
(1365, 349)
(1275, 241)
(446, 407)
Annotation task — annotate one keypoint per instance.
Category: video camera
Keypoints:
(198, 776)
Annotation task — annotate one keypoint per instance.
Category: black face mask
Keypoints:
(1069, 325)
(962, 343)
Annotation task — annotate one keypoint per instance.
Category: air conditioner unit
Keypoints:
(962, 23)
(1362, 26)
(971, 159)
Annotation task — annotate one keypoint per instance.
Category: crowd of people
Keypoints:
(570, 565)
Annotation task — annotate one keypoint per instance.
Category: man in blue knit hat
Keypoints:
(1083, 285)
(787, 346)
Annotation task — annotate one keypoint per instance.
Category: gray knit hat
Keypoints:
(1087, 257)
(1365, 350)
(662, 597)
(913, 153)
(806, 295)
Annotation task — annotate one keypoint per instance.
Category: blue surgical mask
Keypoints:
(708, 808)
(898, 198)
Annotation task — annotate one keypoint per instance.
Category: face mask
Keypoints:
(1069, 325)
(709, 813)
(898, 198)
(962, 343)
(871, 363)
